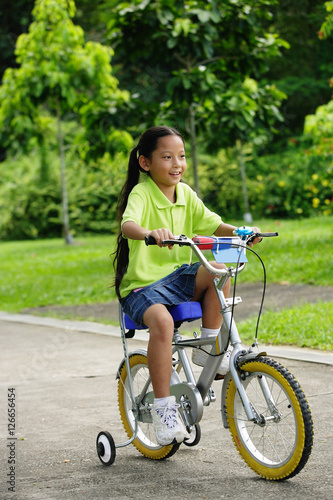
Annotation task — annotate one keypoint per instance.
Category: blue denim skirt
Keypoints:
(175, 288)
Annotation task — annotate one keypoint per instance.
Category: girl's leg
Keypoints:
(160, 324)
(211, 316)
(167, 423)
(205, 293)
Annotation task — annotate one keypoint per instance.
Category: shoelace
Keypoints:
(168, 415)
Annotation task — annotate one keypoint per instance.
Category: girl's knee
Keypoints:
(159, 320)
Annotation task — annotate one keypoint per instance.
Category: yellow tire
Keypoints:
(145, 442)
(278, 446)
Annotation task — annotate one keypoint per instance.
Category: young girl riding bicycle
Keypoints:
(149, 279)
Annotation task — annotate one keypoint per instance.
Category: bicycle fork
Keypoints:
(229, 330)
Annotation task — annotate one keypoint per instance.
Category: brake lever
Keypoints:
(260, 235)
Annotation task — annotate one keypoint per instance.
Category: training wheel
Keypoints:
(106, 449)
(195, 436)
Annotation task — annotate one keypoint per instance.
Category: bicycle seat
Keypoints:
(185, 311)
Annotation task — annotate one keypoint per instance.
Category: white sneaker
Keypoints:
(199, 358)
(167, 423)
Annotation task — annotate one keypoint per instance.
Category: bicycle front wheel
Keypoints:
(279, 444)
(145, 441)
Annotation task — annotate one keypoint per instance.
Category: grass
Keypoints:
(48, 272)
(302, 253)
(309, 325)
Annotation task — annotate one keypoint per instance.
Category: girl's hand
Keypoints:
(256, 240)
(160, 235)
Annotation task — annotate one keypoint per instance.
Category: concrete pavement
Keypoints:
(287, 352)
(62, 375)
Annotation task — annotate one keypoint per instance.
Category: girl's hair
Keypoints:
(146, 146)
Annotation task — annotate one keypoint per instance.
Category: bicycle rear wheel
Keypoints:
(145, 441)
(279, 445)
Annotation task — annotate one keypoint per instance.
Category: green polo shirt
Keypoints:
(149, 207)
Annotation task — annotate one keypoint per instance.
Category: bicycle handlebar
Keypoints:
(206, 241)
(244, 236)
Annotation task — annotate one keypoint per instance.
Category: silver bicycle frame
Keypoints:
(228, 332)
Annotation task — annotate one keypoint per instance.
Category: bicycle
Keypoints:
(262, 403)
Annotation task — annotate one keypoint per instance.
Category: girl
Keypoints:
(149, 279)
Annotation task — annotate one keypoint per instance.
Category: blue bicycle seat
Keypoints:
(185, 311)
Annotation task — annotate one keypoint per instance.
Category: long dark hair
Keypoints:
(146, 146)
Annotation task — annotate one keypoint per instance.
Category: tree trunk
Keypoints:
(193, 139)
(247, 214)
(44, 166)
(65, 214)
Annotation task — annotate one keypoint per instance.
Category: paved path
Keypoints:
(287, 352)
(65, 388)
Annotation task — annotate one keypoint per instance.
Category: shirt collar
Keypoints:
(160, 199)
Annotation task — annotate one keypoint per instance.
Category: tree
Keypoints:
(303, 71)
(199, 50)
(59, 74)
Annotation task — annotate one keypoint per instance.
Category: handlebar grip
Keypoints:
(150, 240)
(268, 235)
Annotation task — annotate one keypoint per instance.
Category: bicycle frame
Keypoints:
(227, 330)
(219, 346)
(200, 389)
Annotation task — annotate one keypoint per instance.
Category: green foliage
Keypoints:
(297, 183)
(60, 71)
(319, 127)
(303, 71)
(327, 26)
(30, 209)
(94, 194)
(211, 51)
(30, 212)
(293, 184)
(251, 111)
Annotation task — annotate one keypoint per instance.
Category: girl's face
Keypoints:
(167, 164)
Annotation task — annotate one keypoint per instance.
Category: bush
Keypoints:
(30, 209)
(294, 183)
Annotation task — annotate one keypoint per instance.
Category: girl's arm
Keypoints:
(225, 230)
(133, 231)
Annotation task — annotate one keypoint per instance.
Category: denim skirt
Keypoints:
(175, 288)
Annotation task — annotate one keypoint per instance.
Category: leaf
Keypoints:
(203, 15)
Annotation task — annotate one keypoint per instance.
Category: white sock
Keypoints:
(162, 401)
(209, 332)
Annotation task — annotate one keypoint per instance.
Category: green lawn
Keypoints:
(302, 253)
(309, 325)
(48, 272)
